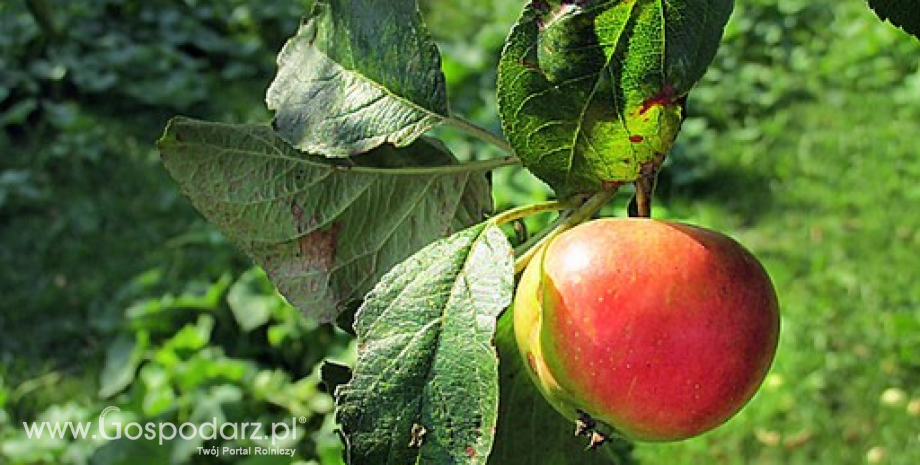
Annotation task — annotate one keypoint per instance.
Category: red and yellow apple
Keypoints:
(659, 330)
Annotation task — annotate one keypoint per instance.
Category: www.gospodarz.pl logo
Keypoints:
(165, 431)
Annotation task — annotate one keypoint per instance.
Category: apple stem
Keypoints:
(567, 220)
(482, 134)
(641, 205)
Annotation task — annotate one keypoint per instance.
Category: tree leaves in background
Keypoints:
(591, 93)
(249, 300)
(902, 13)
(358, 74)
(425, 386)
(325, 231)
(529, 430)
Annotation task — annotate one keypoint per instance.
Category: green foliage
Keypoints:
(797, 141)
(324, 231)
(162, 58)
(293, 213)
(84, 204)
(377, 78)
(311, 222)
(232, 351)
(78, 111)
(591, 97)
(471, 35)
(425, 385)
(775, 55)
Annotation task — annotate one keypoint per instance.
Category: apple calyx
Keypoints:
(586, 426)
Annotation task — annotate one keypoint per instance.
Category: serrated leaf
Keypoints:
(529, 430)
(357, 75)
(591, 93)
(425, 385)
(904, 14)
(324, 231)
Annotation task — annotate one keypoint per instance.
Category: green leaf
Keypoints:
(425, 385)
(591, 93)
(159, 395)
(325, 231)
(529, 430)
(357, 75)
(250, 302)
(123, 357)
(904, 14)
(191, 338)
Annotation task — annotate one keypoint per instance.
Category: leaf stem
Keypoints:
(538, 237)
(527, 210)
(478, 165)
(480, 133)
(585, 211)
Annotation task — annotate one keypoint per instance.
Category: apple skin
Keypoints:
(656, 329)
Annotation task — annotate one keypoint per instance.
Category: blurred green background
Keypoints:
(801, 143)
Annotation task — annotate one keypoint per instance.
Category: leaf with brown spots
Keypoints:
(324, 230)
(591, 92)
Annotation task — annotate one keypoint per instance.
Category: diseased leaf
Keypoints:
(425, 386)
(904, 14)
(324, 230)
(357, 75)
(529, 430)
(591, 92)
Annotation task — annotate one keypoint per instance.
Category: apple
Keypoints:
(659, 330)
